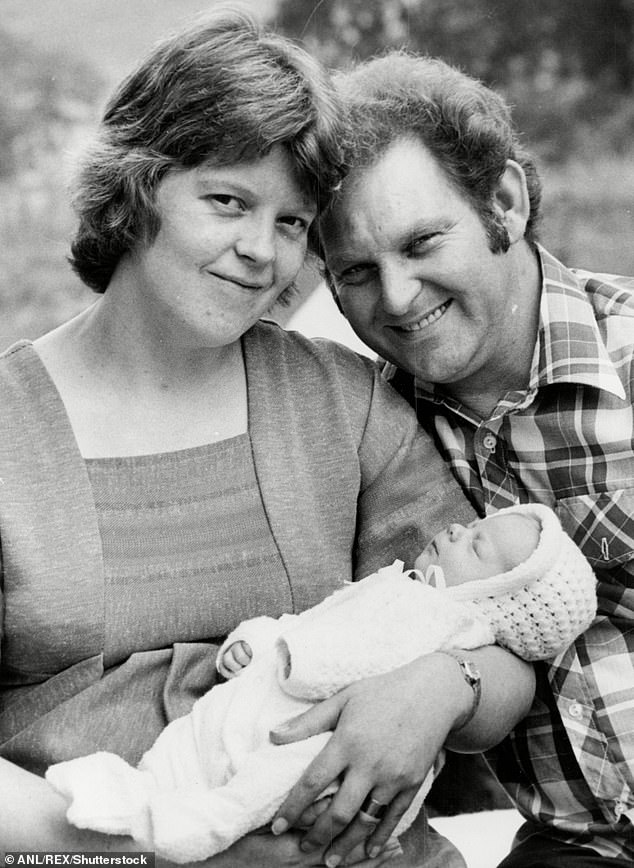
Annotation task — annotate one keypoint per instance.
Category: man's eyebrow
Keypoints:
(339, 264)
(428, 227)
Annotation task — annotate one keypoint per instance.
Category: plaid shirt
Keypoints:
(567, 441)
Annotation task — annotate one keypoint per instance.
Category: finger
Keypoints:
(359, 859)
(320, 718)
(312, 812)
(232, 664)
(391, 851)
(222, 669)
(323, 771)
(242, 654)
(359, 824)
(341, 815)
(395, 810)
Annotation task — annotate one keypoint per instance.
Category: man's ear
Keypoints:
(511, 201)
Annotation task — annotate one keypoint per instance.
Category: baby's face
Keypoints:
(483, 549)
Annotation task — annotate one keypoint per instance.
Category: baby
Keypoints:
(213, 775)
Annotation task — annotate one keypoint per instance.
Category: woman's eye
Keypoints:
(295, 226)
(227, 202)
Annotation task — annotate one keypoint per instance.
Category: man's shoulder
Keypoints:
(609, 294)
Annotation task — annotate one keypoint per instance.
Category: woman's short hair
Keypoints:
(225, 90)
(466, 126)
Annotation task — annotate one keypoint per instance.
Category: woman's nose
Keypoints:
(257, 241)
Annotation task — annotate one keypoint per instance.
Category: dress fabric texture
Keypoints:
(178, 529)
(347, 481)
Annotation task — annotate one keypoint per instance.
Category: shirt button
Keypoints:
(575, 710)
(489, 442)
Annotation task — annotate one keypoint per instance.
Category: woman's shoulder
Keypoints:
(320, 375)
(23, 347)
(18, 362)
(314, 352)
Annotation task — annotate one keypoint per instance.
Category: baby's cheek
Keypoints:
(422, 561)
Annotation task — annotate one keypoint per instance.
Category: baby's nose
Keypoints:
(455, 531)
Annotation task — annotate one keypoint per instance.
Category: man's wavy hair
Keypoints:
(466, 126)
(224, 90)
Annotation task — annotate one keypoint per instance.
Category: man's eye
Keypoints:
(356, 276)
(422, 242)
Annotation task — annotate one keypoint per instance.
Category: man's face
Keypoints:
(412, 267)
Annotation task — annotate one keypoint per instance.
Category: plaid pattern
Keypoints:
(567, 441)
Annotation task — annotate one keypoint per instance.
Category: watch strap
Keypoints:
(471, 675)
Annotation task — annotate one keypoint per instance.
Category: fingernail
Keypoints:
(374, 852)
(282, 727)
(333, 861)
(279, 826)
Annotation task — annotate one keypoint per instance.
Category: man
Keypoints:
(523, 370)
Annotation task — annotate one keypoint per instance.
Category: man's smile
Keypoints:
(425, 321)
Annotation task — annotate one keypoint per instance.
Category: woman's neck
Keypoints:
(129, 390)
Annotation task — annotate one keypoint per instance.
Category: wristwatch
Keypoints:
(471, 675)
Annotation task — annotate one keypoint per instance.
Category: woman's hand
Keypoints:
(388, 731)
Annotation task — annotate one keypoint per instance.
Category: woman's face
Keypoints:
(232, 238)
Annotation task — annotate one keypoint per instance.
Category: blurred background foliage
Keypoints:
(567, 67)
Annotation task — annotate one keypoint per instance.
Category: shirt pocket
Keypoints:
(602, 525)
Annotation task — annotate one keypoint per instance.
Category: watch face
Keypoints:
(470, 671)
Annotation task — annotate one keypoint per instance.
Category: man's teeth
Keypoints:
(428, 320)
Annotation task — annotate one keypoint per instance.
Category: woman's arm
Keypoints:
(388, 731)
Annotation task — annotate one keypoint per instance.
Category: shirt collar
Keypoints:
(570, 347)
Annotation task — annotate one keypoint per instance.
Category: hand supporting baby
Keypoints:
(233, 660)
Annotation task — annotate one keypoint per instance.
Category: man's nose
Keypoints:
(398, 290)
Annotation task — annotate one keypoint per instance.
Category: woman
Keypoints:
(170, 464)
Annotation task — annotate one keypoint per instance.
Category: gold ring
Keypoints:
(372, 811)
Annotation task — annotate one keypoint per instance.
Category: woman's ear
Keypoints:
(511, 201)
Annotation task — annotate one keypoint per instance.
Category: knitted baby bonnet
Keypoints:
(539, 607)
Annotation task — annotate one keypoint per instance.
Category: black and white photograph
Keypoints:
(317, 433)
